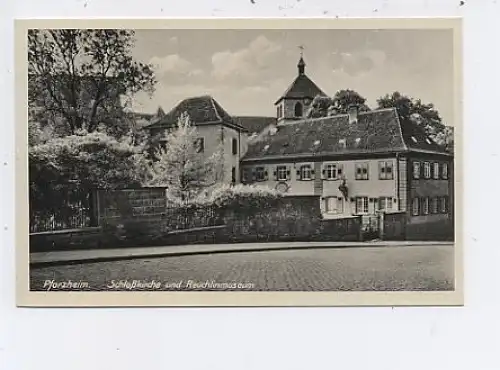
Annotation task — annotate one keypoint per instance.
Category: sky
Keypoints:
(246, 71)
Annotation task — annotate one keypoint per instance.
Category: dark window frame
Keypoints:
(235, 146)
(260, 171)
(362, 171)
(416, 169)
(385, 170)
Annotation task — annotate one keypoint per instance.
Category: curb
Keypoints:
(167, 253)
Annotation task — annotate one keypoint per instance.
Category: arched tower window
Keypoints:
(298, 109)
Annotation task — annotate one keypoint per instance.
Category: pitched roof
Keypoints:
(254, 124)
(301, 87)
(377, 131)
(201, 110)
(416, 139)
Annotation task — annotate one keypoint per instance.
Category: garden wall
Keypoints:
(141, 217)
(289, 218)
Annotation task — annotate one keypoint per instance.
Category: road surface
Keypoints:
(427, 267)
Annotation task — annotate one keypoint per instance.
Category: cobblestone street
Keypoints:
(351, 269)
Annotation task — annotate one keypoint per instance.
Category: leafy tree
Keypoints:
(344, 98)
(64, 171)
(424, 115)
(182, 167)
(320, 107)
(80, 76)
(324, 106)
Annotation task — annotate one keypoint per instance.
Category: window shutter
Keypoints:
(312, 174)
(298, 174)
(288, 174)
(266, 177)
(254, 175)
(340, 170)
(323, 173)
(381, 170)
(275, 174)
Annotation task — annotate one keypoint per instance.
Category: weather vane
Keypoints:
(301, 47)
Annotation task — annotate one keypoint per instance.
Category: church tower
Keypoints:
(296, 100)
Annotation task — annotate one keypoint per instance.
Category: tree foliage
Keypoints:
(85, 161)
(324, 106)
(80, 75)
(182, 167)
(424, 115)
(344, 98)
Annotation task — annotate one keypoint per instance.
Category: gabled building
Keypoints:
(214, 126)
(359, 163)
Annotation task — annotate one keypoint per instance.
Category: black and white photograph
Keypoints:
(267, 158)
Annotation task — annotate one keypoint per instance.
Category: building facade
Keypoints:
(359, 163)
(215, 127)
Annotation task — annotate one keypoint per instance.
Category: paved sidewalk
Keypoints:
(95, 255)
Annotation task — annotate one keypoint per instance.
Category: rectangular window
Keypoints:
(334, 205)
(233, 175)
(260, 174)
(235, 146)
(305, 172)
(427, 170)
(332, 171)
(200, 145)
(245, 175)
(444, 172)
(281, 173)
(434, 205)
(385, 204)
(361, 205)
(425, 205)
(435, 172)
(416, 170)
(444, 204)
(385, 170)
(415, 207)
(361, 171)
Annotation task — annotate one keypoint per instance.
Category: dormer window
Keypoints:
(298, 109)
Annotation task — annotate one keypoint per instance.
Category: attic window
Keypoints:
(316, 142)
(342, 143)
(413, 138)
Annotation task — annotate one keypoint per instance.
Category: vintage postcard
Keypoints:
(239, 162)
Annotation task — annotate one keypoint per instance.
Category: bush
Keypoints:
(247, 196)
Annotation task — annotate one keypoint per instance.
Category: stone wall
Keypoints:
(341, 229)
(294, 218)
(116, 205)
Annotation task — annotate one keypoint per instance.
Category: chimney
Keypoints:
(352, 112)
